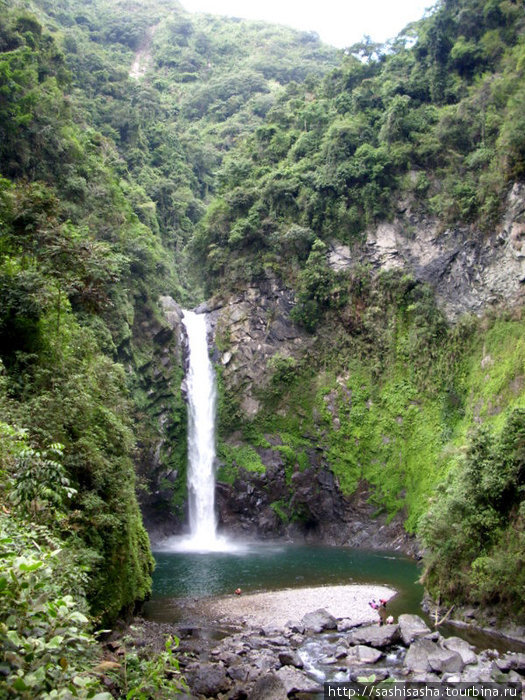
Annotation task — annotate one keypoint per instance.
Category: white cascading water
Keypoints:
(200, 381)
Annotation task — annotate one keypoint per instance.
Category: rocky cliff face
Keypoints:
(322, 513)
(162, 451)
(250, 329)
(469, 271)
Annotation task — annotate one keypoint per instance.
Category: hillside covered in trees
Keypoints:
(146, 152)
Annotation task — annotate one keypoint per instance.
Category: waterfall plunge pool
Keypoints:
(181, 577)
(260, 567)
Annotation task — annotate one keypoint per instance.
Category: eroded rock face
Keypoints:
(249, 330)
(160, 375)
(245, 507)
(468, 269)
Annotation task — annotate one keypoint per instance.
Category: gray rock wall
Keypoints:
(248, 330)
(468, 269)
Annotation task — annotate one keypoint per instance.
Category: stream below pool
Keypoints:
(181, 578)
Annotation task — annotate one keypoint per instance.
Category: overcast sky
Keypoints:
(338, 22)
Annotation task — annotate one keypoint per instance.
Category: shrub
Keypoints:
(47, 647)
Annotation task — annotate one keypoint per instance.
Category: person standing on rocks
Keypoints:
(381, 610)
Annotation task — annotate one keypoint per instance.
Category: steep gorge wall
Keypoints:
(468, 270)
(321, 441)
(323, 475)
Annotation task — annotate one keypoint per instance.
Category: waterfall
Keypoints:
(200, 382)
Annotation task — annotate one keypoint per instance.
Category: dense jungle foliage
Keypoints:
(433, 123)
(231, 150)
(434, 118)
(100, 188)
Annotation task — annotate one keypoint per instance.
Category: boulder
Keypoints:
(515, 677)
(463, 648)
(346, 624)
(416, 659)
(445, 661)
(319, 620)
(296, 627)
(227, 658)
(367, 655)
(481, 673)
(511, 662)
(209, 680)
(411, 627)
(263, 660)
(238, 673)
(269, 687)
(341, 651)
(296, 681)
(291, 658)
(375, 636)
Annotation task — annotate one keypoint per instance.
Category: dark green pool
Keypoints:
(266, 567)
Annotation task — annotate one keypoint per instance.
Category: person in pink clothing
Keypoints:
(381, 610)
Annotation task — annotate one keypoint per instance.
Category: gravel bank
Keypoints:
(278, 607)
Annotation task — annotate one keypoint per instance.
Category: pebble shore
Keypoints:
(277, 607)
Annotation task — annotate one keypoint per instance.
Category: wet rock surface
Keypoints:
(245, 508)
(273, 663)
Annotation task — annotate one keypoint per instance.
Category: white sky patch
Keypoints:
(338, 22)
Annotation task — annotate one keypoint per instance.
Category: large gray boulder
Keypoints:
(209, 680)
(296, 681)
(445, 661)
(367, 655)
(238, 673)
(375, 636)
(411, 627)
(319, 620)
(463, 648)
(416, 659)
(269, 687)
(480, 673)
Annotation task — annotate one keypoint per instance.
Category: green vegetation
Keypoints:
(102, 181)
(243, 152)
(389, 395)
(234, 458)
(432, 120)
(476, 525)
